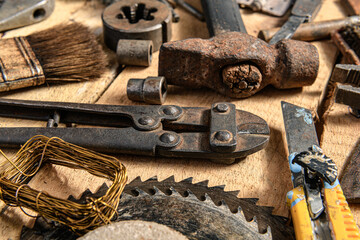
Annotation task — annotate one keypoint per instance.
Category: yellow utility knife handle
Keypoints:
(341, 218)
(299, 212)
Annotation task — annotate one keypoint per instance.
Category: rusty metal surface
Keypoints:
(267, 223)
(314, 30)
(222, 16)
(151, 90)
(353, 6)
(250, 64)
(19, 13)
(272, 7)
(167, 131)
(347, 41)
(302, 11)
(137, 19)
(134, 52)
(347, 95)
(350, 176)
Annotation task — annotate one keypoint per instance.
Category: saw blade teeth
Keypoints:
(208, 199)
(154, 178)
(174, 192)
(203, 183)
(191, 195)
(222, 204)
(240, 213)
(169, 179)
(222, 187)
(253, 200)
(235, 193)
(141, 192)
(136, 180)
(256, 226)
(158, 192)
(187, 180)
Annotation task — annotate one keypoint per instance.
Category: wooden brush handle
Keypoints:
(19, 67)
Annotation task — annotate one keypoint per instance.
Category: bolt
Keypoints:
(146, 120)
(223, 136)
(222, 107)
(167, 138)
(170, 110)
(256, 5)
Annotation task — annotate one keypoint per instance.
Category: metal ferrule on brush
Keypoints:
(19, 66)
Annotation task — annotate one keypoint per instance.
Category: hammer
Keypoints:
(234, 63)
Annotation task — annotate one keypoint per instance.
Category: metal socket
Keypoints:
(151, 90)
(134, 52)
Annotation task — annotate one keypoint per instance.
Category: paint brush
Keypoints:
(66, 52)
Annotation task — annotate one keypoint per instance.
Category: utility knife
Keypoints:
(317, 204)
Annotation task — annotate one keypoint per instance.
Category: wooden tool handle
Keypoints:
(19, 66)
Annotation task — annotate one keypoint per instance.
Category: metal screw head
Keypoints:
(222, 107)
(146, 120)
(167, 138)
(223, 136)
(170, 110)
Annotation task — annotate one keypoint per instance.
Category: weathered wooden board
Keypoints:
(264, 175)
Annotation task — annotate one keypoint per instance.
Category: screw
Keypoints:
(170, 110)
(146, 120)
(222, 107)
(167, 138)
(223, 136)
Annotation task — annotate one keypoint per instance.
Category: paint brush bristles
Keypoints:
(68, 52)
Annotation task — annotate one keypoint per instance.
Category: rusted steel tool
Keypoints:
(272, 7)
(315, 30)
(342, 87)
(353, 6)
(135, 19)
(195, 202)
(348, 42)
(350, 176)
(222, 16)
(190, 9)
(317, 204)
(152, 90)
(350, 96)
(303, 11)
(19, 13)
(238, 65)
(221, 134)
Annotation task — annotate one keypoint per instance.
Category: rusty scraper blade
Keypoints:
(299, 127)
(350, 177)
(300, 133)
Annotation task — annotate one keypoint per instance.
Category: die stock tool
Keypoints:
(229, 130)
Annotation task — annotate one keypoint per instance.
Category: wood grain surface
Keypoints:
(264, 175)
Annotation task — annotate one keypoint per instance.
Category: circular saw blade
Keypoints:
(188, 215)
(279, 226)
(193, 209)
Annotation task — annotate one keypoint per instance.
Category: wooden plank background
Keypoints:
(264, 175)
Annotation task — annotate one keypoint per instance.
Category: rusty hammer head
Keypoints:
(238, 65)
